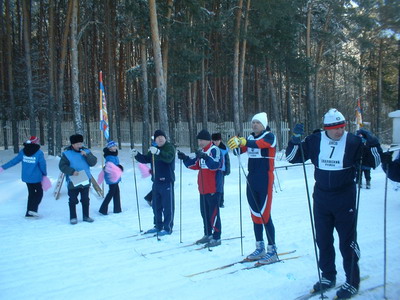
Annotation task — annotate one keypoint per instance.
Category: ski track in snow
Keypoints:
(50, 259)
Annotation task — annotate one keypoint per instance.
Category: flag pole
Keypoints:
(101, 118)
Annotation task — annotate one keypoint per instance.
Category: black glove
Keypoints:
(386, 158)
(298, 131)
(201, 155)
(182, 156)
(121, 167)
(371, 141)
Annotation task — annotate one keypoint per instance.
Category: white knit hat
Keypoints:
(334, 119)
(262, 118)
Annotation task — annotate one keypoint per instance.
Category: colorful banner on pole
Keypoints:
(359, 122)
(103, 109)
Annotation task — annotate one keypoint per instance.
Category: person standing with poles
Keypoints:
(208, 161)
(260, 147)
(226, 165)
(162, 159)
(336, 154)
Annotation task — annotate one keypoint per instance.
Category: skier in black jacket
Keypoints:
(336, 154)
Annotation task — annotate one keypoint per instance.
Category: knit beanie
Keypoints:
(76, 138)
(204, 135)
(33, 140)
(262, 118)
(159, 132)
(216, 136)
(111, 144)
(334, 119)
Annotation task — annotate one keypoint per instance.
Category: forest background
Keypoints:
(194, 61)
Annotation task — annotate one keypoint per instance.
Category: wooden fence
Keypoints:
(181, 132)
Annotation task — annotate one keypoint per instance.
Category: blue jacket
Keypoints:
(33, 163)
(113, 158)
(72, 161)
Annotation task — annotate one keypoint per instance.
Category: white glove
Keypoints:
(154, 150)
(134, 152)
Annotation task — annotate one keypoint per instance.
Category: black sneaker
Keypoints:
(346, 291)
(325, 285)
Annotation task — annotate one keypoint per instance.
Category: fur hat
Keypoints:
(204, 135)
(159, 132)
(111, 144)
(334, 119)
(33, 140)
(76, 138)
(262, 118)
(216, 136)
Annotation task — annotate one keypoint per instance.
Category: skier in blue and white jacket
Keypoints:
(32, 173)
(336, 154)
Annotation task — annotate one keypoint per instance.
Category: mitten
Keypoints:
(154, 150)
(182, 156)
(144, 170)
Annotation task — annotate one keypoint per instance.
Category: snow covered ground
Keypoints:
(48, 258)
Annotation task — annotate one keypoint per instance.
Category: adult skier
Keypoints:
(336, 154)
(260, 147)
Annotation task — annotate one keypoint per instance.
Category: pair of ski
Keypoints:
(313, 294)
(256, 265)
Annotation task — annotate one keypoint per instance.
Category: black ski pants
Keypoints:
(209, 208)
(113, 193)
(73, 201)
(35, 195)
(337, 210)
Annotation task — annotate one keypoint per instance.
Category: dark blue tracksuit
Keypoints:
(335, 196)
(163, 170)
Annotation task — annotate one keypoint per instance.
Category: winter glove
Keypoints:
(154, 150)
(121, 167)
(201, 155)
(236, 142)
(182, 156)
(371, 141)
(386, 158)
(46, 183)
(298, 131)
(134, 152)
(1, 169)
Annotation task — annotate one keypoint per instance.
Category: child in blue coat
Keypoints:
(33, 171)
(112, 162)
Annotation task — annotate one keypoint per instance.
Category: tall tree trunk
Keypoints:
(27, 47)
(60, 94)
(310, 100)
(242, 66)
(52, 79)
(78, 125)
(3, 101)
(379, 90)
(235, 76)
(162, 103)
(275, 105)
(145, 95)
(11, 79)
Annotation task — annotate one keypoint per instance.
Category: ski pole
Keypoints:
(240, 202)
(311, 218)
(384, 234)
(180, 202)
(153, 167)
(136, 191)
